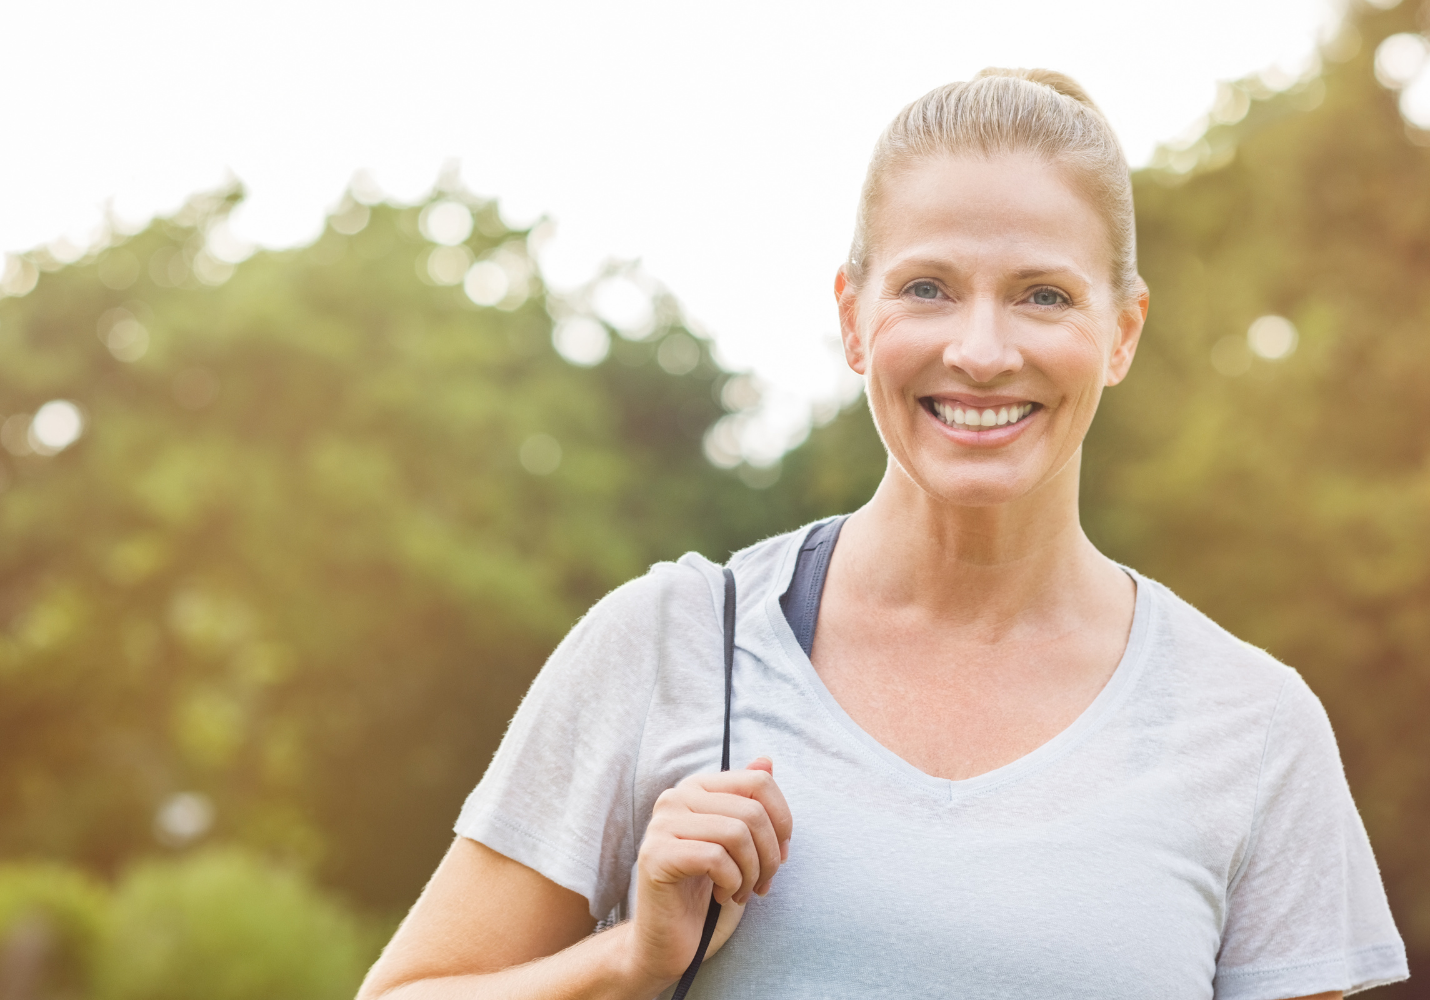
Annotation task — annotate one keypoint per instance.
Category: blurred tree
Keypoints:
(225, 926)
(295, 563)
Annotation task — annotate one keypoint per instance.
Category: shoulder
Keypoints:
(768, 563)
(681, 597)
(1203, 657)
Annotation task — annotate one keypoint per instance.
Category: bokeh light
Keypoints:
(1399, 59)
(126, 338)
(678, 353)
(626, 306)
(447, 265)
(351, 218)
(183, 818)
(1271, 337)
(446, 222)
(18, 276)
(15, 434)
(1231, 356)
(224, 244)
(486, 283)
(581, 340)
(55, 426)
(540, 454)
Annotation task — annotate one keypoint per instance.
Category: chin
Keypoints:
(965, 487)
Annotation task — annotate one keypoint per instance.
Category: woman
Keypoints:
(1006, 766)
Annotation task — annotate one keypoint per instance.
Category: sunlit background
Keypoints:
(348, 353)
(723, 149)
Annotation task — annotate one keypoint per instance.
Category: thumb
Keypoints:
(761, 763)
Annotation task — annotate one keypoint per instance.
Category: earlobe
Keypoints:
(1129, 333)
(846, 297)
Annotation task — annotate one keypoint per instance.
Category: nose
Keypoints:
(980, 345)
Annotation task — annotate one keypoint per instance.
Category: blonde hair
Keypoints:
(1003, 111)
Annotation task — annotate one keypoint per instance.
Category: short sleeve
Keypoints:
(1307, 912)
(558, 795)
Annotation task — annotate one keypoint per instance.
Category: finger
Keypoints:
(735, 836)
(675, 860)
(757, 784)
(752, 814)
(763, 763)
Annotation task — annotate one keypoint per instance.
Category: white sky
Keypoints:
(723, 145)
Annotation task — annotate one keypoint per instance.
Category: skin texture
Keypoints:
(966, 618)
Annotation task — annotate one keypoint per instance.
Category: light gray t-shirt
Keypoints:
(1190, 835)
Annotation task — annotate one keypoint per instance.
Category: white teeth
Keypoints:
(959, 417)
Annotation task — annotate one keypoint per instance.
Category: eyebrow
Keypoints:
(1025, 274)
(1039, 272)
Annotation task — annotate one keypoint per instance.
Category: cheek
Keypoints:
(900, 347)
(1077, 358)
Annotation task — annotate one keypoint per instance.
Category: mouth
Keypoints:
(967, 417)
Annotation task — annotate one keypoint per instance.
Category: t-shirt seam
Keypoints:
(1342, 959)
(500, 820)
(1253, 831)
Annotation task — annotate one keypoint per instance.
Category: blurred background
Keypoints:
(288, 521)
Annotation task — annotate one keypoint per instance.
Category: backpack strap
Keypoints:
(712, 915)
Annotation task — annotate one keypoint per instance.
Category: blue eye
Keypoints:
(924, 290)
(1046, 297)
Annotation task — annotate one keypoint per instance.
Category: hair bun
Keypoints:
(1060, 82)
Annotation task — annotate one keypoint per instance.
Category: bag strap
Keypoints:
(712, 915)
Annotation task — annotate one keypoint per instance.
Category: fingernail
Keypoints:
(762, 888)
(784, 849)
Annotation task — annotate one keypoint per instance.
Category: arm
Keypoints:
(479, 928)
(488, 927)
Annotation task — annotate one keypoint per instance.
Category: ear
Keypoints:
(847, 296)
(1129, 332)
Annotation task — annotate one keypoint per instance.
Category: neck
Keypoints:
(986, 566)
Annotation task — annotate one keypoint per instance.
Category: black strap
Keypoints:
(712, 915)
(800, 601)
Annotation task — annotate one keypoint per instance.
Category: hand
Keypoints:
(729, 830)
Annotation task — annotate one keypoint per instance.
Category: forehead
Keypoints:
(1000, 210)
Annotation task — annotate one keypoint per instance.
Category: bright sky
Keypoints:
(722, 145)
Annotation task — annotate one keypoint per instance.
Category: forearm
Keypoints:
(595, 968)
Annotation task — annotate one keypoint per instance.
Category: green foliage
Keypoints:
(53, 922)
(224, 926)
(295, 563)
(221, 924)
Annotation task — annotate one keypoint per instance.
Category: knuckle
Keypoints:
(752, 812)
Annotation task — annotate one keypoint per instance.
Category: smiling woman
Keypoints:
(1016, 768)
